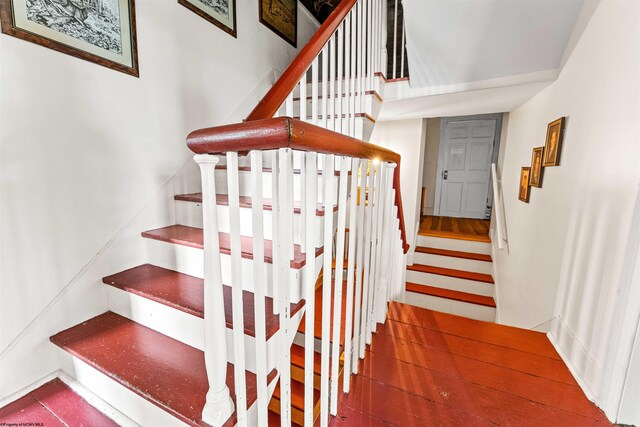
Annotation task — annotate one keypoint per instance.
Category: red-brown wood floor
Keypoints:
(426, 368)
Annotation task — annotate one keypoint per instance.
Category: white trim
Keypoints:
(28, 389)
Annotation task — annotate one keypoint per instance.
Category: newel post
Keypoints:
(219, 406)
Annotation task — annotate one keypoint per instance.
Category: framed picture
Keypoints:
(281, 16)
(221, 13)
(536, 167)
(523, 194)
(553, 144)
(100, 31)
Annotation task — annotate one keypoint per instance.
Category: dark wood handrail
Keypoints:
(278, 93)
(283, 132)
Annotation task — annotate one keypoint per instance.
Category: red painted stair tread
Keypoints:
(449, 294)
(193, 237)
(297, 358)
(450, 272)
(166, 372)
(317, 328)
(186, 293)
(27, 410)
(245, 202)
(454, 254)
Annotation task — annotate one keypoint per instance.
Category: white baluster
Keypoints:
(360, 245)
(314, 91)
(325, 79)
(219, 406)
(402, 48)
(288, 105)
(395, 39)
(275, 228)
(351, 257)
(379, 171)
(303, 97)
(310, 199)
(347, 74)
(340, 78)
(337, 295)
(259, 285)
(367, 257)
(233, 187)
(369, 44)
(332, 83)
(285, 244)
(361, 54)
(327, 177)
(352, 87)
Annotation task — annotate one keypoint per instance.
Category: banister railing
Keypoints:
(319, 165)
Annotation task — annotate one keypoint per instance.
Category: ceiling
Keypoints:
(452, 42)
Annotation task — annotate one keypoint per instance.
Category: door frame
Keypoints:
(444, 121)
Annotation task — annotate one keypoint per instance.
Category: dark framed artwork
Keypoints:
(553, 143)
(523, 193)
(221, 13)
(320, 9)
(100, 31)
(281, 16)
(536, 167)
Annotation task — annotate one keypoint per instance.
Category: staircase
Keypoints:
(238, 316)
(452, 275)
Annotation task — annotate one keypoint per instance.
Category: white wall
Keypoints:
(567, 247)
(431, 149)
(406, 137)
(86, 154)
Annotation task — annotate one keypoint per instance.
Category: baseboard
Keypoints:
(566, 343)
(28, 389)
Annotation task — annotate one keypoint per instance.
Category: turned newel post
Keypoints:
(219, 406)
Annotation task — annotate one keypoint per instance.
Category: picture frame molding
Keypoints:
(293, 43)
(232, 32)
(528, 195)
(9, 28)
(533, 153)
(556, 161)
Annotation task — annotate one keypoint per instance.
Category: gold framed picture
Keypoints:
(536, 167)
(523, 194)
(281, 16)
(553, 143)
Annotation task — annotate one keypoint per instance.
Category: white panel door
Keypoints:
(468, 148)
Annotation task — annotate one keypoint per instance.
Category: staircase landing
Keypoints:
(455, 228)
(431, 368)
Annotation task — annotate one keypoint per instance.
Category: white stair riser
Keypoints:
(137, 408)
(453, 262)
(452, 283)
(185, 327)
(190, 213)
(460, 308)
(244, 181)
(455, 244)
(188, 260)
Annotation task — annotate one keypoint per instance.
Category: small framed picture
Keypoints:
(553, 144)
(536, 167)
(221, 13)
(100, 31)
(281, 16)
(523, 194)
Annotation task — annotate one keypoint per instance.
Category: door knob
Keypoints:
(445, 174)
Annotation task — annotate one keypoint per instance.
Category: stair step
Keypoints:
(245, 202)
(297, 402)
(164, 371)
(317, 329)
(193, 237)
(449, 272)
(453, 295)
(297, 358)
(53, 404)
(186, 293)
(455, 254)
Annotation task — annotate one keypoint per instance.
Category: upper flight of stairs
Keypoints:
(453, 276)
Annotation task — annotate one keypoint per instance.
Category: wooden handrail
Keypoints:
(283, 132)
(278, 93)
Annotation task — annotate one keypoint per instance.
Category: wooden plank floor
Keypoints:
(429, 368)
(458, 228)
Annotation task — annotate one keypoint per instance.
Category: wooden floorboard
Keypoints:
(430, 368)
(456, 228)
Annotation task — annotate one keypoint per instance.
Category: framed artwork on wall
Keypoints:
(281, 16)
(100, 31)
(536, 167)
(523, 194)
(553, 143)
(221, 13)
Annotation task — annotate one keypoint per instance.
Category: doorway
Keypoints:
(467, 147)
